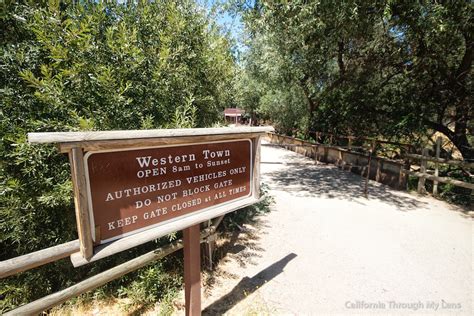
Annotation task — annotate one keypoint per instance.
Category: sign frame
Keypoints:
(93, 229)
(78, 144)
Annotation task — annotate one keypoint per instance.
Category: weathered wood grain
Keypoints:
(440, 179)
(421, 181)
(137, 239)
(65, 137)
(81, 201)
(150, 142)
(441, 160)
(438, 151)
(37, 258)
(102, 278)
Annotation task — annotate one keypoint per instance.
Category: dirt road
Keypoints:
(325, 248)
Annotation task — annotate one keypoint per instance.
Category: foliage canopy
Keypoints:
(91, 65)
(367, 68)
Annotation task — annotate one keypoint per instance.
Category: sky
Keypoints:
(229, 23)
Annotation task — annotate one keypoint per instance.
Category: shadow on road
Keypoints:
(306, 178)
(247, 286)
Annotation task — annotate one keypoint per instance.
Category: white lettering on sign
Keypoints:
(122, 222)
(111, 196)
(145, 162)
(192, 177)
(213, 154)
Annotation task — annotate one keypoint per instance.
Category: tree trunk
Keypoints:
(312, 105)
(460, 130)
(458, 137)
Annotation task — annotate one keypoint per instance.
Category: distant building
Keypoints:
(234, 115)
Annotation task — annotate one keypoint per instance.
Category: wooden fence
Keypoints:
(390, 172)
(379, 169)
(41, 257)
(424, 174)
(348, 141)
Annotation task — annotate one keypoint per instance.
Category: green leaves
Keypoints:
(393, 69)
(91, 66)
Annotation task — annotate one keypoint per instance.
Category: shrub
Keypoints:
(90, 65)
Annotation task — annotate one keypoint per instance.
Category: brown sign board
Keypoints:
(137, 189)
(131, 187)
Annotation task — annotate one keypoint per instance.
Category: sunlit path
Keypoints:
(325, 248)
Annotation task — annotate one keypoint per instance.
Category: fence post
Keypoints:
(192, 270)
(421, 180)
(76, 156)
(366, 188)
(438, 150)
(209, 246)
(325, 157)
(340, 162)
(378, 175)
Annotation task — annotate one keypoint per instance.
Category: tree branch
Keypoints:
(466, 62)
(441, 128)
(340, 60)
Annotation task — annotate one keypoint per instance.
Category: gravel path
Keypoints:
(325, 249)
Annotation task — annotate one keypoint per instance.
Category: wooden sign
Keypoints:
(134, 190)
(131, 187)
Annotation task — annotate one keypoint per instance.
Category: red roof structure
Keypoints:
(233, 112)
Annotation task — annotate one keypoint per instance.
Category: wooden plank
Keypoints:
(211, 241)
(440, 179)
(102, 278)
(325, 155)
(288, 145)
(441, 160)
(438, 150)
(318, 135)
(256, 166)
(421, 181)
(402, 177)
(128, 242)
(37, 258)
(209, 248)
(65, 137)
(81, 202)
(192, 270)
(378, 174)
(369, 162)
(94, 282)
(150, 142)
(217, 221)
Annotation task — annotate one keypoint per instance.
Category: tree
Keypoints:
(393, 69)
(91, 65)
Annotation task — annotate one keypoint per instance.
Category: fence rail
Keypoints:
(94, 282)
(460, 163)
(440, 179)
(351, 138)
(37, 258)
(424, 173)
(44, 256)
(364, 163)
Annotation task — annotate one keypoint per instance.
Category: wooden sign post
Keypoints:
(192, 270)
(131, 187)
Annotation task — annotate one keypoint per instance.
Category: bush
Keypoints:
(91, 66)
